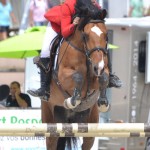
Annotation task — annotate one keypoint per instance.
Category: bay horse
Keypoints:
(77, 82)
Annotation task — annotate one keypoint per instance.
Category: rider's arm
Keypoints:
(67, 27)
(31, 8)
(21, 102)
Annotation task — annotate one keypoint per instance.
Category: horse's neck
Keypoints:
(76, 38)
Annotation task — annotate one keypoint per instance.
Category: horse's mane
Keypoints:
(87, 11)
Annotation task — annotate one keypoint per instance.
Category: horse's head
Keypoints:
(94, 37)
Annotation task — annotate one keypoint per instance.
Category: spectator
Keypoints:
(61, 1)
(6, 14)
(136, 8)
(37, 11)
(2, 106)
(16, 98)
(52, 3)
(4, 92)
(148, 12)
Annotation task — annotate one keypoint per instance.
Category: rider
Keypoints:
(60, 22)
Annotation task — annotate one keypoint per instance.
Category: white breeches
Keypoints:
(50, 34)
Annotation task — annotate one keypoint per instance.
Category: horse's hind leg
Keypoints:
(87, 143)
(47, 117)
(93, 118)
(51, 143)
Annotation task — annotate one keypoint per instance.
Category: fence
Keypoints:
(77, 130)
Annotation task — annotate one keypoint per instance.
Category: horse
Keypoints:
(77, 82)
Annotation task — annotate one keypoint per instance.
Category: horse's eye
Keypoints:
(85, 37)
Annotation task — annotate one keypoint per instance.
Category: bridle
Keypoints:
(86, 50)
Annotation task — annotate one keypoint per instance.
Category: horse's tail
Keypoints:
(68, 142)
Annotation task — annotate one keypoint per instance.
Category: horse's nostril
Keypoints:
(95, 69)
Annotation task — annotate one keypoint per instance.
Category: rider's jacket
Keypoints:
(61, 18)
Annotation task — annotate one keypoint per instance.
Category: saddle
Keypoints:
(56, 43)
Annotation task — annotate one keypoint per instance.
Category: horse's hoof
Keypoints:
(68, 103)
(104, 107)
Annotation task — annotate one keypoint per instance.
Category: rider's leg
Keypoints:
(43, 62)
(43, 91)
(114, 81)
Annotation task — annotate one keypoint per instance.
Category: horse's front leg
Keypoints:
(102, 100)
(75, 100)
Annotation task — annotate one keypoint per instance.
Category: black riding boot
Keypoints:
(44, 91)
(114, 81)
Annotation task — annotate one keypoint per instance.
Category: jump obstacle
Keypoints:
(77, 130)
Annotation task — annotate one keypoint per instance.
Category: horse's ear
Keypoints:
(103, 13)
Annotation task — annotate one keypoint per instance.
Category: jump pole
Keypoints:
(111, 134)
(76, 128)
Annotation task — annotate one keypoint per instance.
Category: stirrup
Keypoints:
(46, 96)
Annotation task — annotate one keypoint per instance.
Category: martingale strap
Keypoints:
(55, 77)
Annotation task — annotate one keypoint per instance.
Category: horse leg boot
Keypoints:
(102, 100)
(44, 91)
(114, 81)
(103, 103)
(75, 100)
